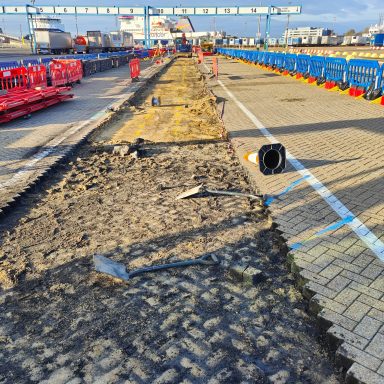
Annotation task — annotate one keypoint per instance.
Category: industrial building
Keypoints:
(306, 32)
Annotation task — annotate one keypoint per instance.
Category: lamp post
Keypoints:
(287, 28)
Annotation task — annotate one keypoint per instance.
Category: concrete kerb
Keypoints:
(60, 147)
(333, 342)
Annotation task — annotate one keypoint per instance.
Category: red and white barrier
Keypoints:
(134, 66)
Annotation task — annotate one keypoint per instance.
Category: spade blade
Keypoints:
(110, 267)
(190, 192)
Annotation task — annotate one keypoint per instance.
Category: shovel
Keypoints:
(201, 189)
(110, 267)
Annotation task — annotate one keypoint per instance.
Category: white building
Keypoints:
(306, 32)
(374, 29)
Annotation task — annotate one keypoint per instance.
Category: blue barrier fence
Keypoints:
(303, 62)
(362, 73)
(380, 83)
(290, 62)
(357, 72)
(317, 66)
(335, 69)
(9, 65)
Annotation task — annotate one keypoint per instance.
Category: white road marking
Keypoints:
(370, 239)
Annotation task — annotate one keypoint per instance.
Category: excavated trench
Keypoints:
(63, 322)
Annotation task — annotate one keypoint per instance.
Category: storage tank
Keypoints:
(81, 44)
(232, 41)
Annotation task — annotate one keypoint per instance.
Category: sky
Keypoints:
(340, 15)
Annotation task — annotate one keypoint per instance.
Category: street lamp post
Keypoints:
(287, 28)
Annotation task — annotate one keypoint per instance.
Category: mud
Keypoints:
(62, 322)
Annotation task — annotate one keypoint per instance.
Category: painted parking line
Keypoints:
(370, 239)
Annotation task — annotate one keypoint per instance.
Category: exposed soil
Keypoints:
(62, 322)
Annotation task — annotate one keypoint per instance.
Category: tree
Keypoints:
(350, 32)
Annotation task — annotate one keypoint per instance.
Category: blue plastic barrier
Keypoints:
(362, 73)
(335, 69)
(303, 62)
(279, 61)
(28, 62)
(380, 78)
(9, 65)
(290, 62)
(317, 66)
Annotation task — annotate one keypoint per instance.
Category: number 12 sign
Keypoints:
(205, 11)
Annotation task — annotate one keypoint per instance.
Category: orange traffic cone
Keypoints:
(253, 157)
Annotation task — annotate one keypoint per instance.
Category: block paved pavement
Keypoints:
(340, 140)
(28, 147)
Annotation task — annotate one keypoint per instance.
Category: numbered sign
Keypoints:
(46, 9)
(184, 11)
(288, 10)
(16, 10)
(162, 11)
(86, 10)
(108, 11)
(65, 10)
(253, 10)
(131, 11)
(205, 11)
(227, 11)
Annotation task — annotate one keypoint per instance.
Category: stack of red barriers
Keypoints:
(24, 90)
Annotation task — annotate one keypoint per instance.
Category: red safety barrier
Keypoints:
(16, 102)
(15, 98)
(215, 67)
(200, 57)
(14, 78)
(58, 72)
(311, 79)
(65, 72)
(74, 70)
(4, 118)
(37, 75)
(134, 66)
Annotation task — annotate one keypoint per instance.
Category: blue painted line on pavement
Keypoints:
(271, 199)
(332, 227)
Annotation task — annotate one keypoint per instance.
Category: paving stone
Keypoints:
(360, 374)
(352, 338)
(338, 283)
(367, 327)
(376, 346)
(357, 310)
(350, 352)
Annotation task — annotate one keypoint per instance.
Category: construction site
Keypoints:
(192, 215)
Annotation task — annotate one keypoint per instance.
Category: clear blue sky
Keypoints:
(339, 14)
